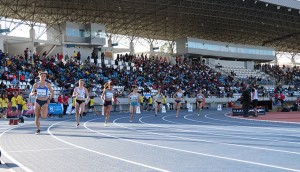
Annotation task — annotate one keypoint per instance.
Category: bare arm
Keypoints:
(102, 95)
(51, 90)
(87, 95)
(33, 92)
(75, 93)
(129, 97)
(174, 95)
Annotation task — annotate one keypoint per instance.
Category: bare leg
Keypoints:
(37, 111)
(132, 114)
(108, 109)
(77, 114)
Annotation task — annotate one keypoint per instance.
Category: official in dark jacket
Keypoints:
(246, 99)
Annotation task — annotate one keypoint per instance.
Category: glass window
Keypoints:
(224, 48)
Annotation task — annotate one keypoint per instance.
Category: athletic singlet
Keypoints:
(158, 96)
(81, 93)
(199, 96)
(178, 95)
(108, 94)
(42, 92)
(133, 97)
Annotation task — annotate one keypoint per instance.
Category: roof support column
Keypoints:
(171, 47)
(131, 47)
(151, 50)
(1, 43)
(32, 37)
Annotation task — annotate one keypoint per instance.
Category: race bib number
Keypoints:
(41, 92)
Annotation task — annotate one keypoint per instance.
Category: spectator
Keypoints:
(281, 99)
(60, 99)
(65, 102)
(245, 100)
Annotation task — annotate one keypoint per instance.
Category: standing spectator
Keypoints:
(276, 96)
(281, 98)
(102, 58)
(30, 56)
(254, 99)
(74, 55)
(245, 101)
(19, 101)
(116, 102)
(91, 105)
(65, 101)
(4, 104)
(14, 104)
(26, 54)
(78, 56)
(61, 57)
(1, 55)
(150, 103)
(44, 54)
(60, 99)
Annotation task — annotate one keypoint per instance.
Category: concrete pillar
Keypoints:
(131, 47)
(62, 38)
(2, 43)
(32, 37)
(293, 60)
(151, 50)
(170, 49)
(109, 42)
(32, 33)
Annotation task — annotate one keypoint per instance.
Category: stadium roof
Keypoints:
(237, 21)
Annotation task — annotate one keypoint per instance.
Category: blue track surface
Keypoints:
(209, 142)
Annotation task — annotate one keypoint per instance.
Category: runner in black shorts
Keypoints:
(82, 97)
(158, 100)
(107, 96)
(178, 96)
(200, 97)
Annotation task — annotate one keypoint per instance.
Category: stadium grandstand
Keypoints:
(250, 33)
(216, 46)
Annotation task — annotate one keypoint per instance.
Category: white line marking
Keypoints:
(268, 128)
(218, 128)
(222, 143)
(99, 153)
(11, 158)
(39, 150)
(185, 117)
(186, 151)
(264, 120)
(269, 125)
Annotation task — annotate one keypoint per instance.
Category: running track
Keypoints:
(210, 142)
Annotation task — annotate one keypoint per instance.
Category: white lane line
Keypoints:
(39, 150)
(218, 128)
(186, 151)
(264, 120)
(198, 121)
(99, 153)
(221, 143)
(268, 125)
(26, 169)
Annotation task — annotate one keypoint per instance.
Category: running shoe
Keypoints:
(77, 125)
(105, 125)
(37, 132)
